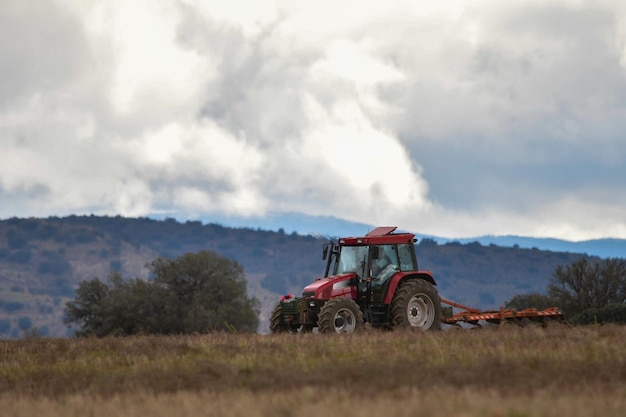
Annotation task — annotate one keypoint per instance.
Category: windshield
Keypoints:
(352, 259)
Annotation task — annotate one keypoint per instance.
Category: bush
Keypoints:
(531, 300)
(614, 313)
(196, 293)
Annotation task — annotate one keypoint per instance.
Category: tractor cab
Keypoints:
(374, 259)
(362, 279)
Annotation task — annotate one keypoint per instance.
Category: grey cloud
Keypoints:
(527, 109)
(258, 97)
(42, 49)
(255, 90)
(535, 111)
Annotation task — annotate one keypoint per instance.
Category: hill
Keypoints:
(43, 260)
(331, 226)
(604, 248)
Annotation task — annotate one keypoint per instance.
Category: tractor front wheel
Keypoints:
(340, 315)
(277, 323)
(416, 305)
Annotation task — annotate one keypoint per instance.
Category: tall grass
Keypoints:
(553, 372)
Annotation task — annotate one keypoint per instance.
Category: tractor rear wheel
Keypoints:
(416, 305)
(340, 315)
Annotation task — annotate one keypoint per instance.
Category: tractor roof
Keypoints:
(379, 236)
(382, 231)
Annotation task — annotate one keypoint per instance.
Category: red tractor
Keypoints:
(370, 279)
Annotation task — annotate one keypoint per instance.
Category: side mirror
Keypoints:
(325, 249)
(375, 251)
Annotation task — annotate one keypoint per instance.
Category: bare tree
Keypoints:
(589, 284)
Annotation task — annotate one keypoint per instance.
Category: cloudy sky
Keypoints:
(455, 118)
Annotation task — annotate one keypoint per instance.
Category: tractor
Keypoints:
(371, 279)
(375, 279)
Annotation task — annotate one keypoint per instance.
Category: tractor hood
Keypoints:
(331, 287)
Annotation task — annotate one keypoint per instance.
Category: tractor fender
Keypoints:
(401, 277)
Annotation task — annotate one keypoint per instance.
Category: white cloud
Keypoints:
(449, 118)
(367, 166)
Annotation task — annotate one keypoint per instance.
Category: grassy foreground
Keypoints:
(558, 371)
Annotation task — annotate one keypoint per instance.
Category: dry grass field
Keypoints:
(558, 371)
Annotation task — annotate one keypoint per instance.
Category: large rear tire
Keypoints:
(340, 315)
(416, 305)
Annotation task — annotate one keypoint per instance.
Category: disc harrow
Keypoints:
(500, 317)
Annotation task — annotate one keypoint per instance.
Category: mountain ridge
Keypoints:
(333, 227)
(603, 248)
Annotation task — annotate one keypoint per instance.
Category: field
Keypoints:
(557, 371)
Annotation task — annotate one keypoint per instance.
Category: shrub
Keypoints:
(196, 293)
(614, 313)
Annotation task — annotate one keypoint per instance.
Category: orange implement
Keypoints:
(474, 316)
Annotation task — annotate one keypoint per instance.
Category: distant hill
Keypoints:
(603, 248)
(43, 260)
(289, 222)
(331, 226)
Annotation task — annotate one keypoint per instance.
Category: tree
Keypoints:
(198, 292)
(210, 292)
(119, 307)
(88, 310)
(589, 284)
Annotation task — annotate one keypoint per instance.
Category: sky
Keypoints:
(455, 118)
